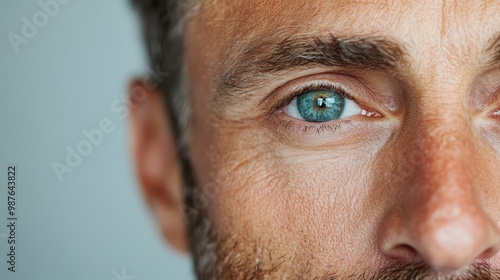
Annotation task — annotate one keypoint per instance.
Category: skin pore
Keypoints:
(409, 189)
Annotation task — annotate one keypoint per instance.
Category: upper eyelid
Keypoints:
(308, 80)
(325, 86)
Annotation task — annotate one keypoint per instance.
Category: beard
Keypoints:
(231, 258)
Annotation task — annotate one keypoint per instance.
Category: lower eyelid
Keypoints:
(303, 128)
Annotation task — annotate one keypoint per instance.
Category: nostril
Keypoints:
(493, 247)
(490, 252)
(404, 253)
(445, 245)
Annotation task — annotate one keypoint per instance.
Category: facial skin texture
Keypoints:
(410, 191)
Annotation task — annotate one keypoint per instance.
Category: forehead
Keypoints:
(226, 25)
(443, 40)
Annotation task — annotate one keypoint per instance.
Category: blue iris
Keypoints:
(320, 106)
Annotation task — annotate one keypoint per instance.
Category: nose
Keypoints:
(438, 216)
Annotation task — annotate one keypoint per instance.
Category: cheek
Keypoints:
(316, 203)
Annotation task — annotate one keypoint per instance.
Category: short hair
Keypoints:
(163, 29)
(163, 23)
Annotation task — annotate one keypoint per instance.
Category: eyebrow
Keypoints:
(494, 49)
(257, 60)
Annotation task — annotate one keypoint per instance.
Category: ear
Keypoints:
(157, 163)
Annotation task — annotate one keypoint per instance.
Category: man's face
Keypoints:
(347, 138)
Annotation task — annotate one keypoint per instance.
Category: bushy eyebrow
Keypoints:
(260, 59)
(494, 49)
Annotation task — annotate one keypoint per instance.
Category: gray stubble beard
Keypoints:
(215, 258)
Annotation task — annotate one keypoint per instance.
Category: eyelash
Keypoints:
(294, 127)
(304, 127)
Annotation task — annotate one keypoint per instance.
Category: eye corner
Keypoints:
(495, 114)
(368, 113)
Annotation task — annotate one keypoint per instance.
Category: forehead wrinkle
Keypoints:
(234, 23)
(240, 23)
(243, 22)
(464, 40)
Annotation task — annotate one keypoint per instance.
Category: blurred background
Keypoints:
(64, 73)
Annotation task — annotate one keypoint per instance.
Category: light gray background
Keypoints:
(65, 79)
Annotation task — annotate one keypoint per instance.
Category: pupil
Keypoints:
(322, 102)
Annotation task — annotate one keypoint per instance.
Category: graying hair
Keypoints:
(163, 23)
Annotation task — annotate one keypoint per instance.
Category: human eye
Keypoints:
(322, 106)
(322, 103)
(331, 105)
